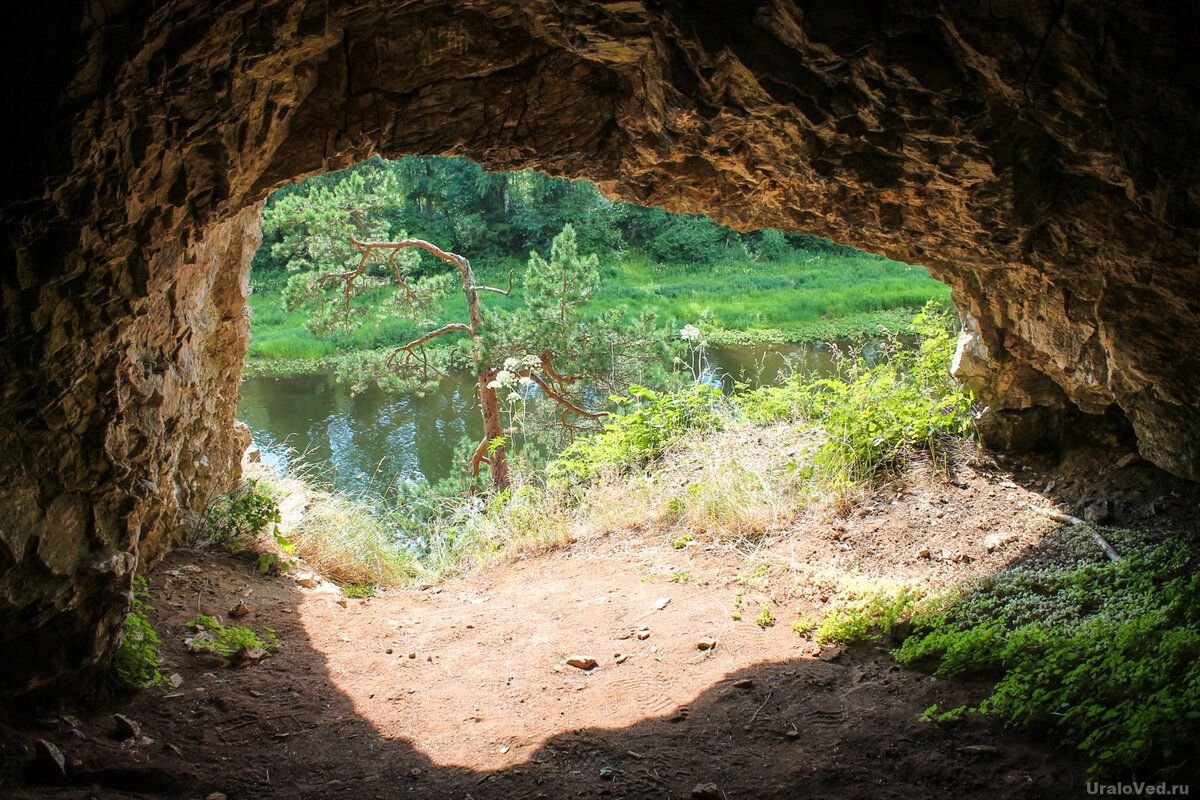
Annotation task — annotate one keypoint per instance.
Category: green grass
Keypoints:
(812, 296)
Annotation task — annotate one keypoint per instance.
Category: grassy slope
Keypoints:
(810, 296)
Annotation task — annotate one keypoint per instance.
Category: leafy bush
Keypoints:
(872, 414)
(225, 640)
(135, 664)
(690, 241)
(236, 518)
(772, 245)
(639, 434)
(1104, 657)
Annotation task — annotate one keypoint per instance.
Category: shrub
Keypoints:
(873, 414)
(235, 519)
(1104, 657)
(634, 437)
(772, 245)
(135, 664)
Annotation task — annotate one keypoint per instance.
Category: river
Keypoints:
(371, 441)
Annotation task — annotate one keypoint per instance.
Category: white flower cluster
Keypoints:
(690, 333)
(508, 377)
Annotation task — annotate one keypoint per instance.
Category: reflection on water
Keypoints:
(368, 441)
(374, 440)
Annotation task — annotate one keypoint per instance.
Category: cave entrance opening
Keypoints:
(326, 394)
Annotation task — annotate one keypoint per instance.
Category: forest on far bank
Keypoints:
(757, 287)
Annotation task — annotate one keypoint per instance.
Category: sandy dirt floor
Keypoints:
(463, 690)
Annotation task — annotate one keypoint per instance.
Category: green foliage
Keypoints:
(682, 541)
(771, 246)
(690, 240)
(307, 226)
(1104, 657)
(233, 520)
(796, 287)
(681, 576)
(868, 611)
(135, 664)
(765, 618)
(805, 625)
(359, 590)
(736, 613)
(225, 640)
(873, 414)
(646, 423)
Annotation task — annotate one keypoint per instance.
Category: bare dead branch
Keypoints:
(504, 292)
(442, 331)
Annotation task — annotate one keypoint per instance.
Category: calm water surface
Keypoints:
(373, 440)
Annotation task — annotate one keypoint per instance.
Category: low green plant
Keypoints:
(805, 625)
(681, 576)
(765, 618)
(868, 610)
(682, 541)
(647, 422)
(135, 664)
(235, 519)
(736, 614)
(359, 590)
(271, 564)
(1104, 657)
(225, 640)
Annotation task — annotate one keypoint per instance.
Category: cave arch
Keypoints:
(1040, 158)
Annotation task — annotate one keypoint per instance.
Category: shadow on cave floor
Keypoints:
(460, 691)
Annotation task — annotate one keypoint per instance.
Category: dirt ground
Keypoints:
(462, 690)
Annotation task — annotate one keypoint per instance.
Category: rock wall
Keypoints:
(1040, 157)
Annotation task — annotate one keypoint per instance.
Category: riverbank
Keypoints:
(815, 296)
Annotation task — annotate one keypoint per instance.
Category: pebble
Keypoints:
(581, 662)
(240, 610)
(706, 644)
(127, 728)
(643, 634)
(706, 791)
(661, 603)
(620, 658)
(923, 552)
(306, 579)
(412, 655)
(744, 683)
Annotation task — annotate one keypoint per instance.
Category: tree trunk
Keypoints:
(489, 405)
